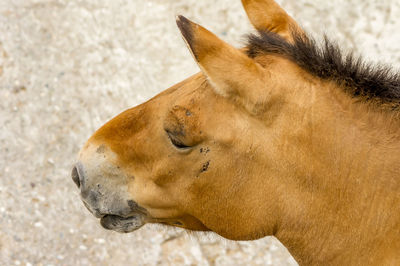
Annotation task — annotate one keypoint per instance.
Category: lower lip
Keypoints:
(122, 224)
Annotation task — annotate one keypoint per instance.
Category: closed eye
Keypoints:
(176, 142)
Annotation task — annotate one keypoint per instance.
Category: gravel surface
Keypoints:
(67, 66)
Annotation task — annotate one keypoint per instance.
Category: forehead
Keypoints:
(187, 92)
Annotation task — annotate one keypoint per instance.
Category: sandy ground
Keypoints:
(67, 66)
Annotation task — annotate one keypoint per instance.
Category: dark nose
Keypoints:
(75, 176)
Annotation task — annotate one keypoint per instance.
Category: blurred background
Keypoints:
(68, 66)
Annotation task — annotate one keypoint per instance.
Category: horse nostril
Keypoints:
(75, 176)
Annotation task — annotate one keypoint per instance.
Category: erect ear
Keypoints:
(230, 71)
(267, 15)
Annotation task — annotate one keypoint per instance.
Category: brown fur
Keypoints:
(258, 146)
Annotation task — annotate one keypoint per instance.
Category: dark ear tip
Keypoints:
(185, 26)
(180, 18)
(183, 23)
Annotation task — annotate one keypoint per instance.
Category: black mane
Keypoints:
(326, 61)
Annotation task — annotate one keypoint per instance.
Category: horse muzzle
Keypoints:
(104, 192)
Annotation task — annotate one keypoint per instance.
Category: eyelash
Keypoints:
(178, 144)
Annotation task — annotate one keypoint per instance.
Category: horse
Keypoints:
(286, 137)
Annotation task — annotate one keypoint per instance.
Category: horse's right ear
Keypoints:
(267, 15)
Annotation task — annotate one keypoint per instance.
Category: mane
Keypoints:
(372, 82)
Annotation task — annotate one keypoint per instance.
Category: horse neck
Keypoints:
(344, 205)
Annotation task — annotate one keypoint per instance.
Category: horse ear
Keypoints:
(267, 15)
(231, 72)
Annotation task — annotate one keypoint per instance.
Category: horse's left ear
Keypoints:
(231, 72)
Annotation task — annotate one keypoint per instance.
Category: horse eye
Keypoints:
(176, 142)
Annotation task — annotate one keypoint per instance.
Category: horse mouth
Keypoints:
(122, 224)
